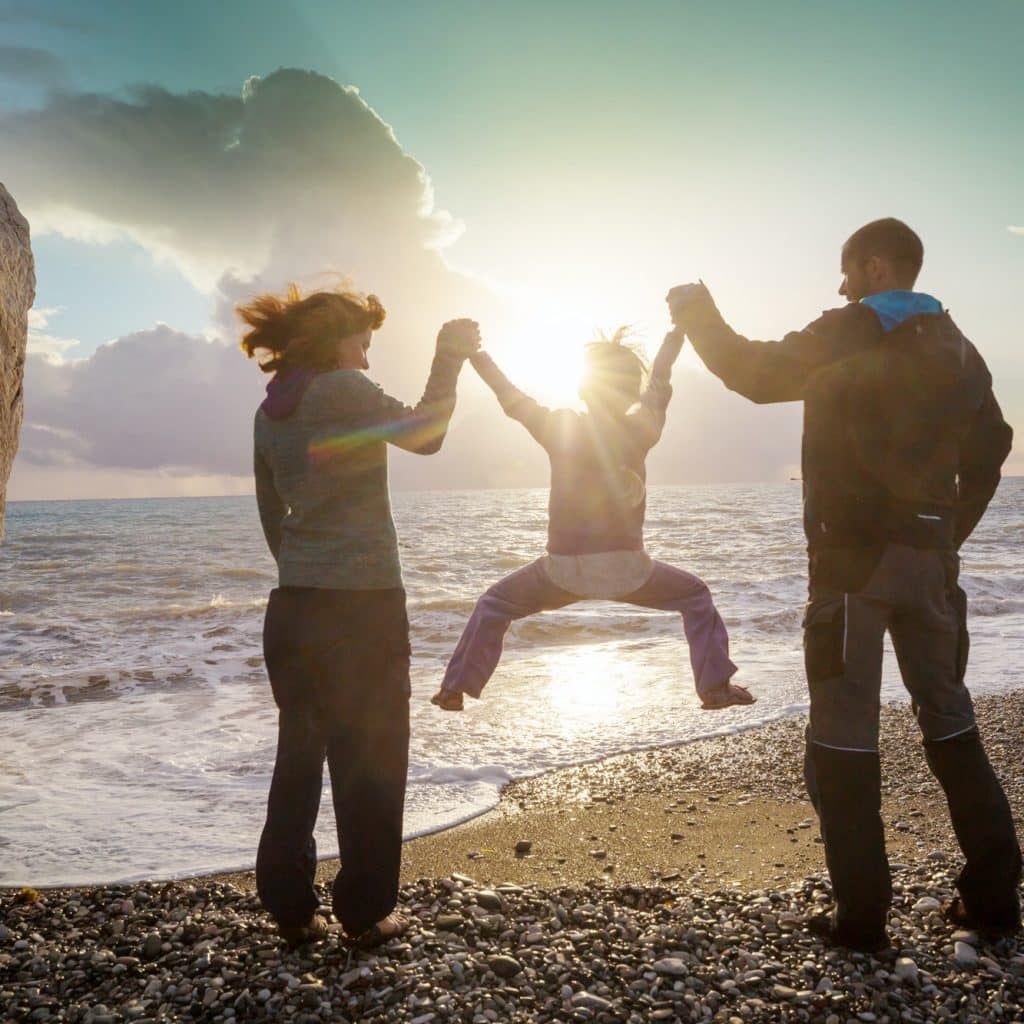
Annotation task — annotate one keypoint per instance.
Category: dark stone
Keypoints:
(490, 900)
(504, 966)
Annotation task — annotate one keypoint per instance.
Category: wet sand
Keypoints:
(729, 811)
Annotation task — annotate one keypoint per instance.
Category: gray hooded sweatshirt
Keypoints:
(322, 472)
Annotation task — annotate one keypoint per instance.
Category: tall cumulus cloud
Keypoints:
(295, 179)
(296, 170)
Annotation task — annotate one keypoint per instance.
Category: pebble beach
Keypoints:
(664, 885)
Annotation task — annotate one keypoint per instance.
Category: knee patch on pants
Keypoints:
(844, 711)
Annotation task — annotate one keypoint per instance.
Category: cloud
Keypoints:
(157, 399)
(180, 408)
(32, 12)
(41, 341)
(1015, 229)
(296, 174)
(32, 66)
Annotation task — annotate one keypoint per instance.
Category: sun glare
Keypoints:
(544, 357)
(543, 352)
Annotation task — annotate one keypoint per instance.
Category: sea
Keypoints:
(137, 729)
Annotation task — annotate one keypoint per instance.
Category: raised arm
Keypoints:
(983, 451)
(769, 371)
(649, 417)
(269, 503)
(420, 428)
(515, 404)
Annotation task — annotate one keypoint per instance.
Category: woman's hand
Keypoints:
(459, 338)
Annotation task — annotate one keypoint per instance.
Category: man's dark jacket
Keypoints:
(903, 438)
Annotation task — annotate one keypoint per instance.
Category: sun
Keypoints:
(543, 355)
(541, 346)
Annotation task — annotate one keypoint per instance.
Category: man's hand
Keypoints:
(684, 298)
(459, 338)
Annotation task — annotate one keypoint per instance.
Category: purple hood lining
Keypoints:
(285, 391)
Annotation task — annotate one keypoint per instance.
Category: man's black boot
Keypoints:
(984, 827)
(848, 797)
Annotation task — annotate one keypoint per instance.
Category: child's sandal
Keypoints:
(448, 700)
(726, 697)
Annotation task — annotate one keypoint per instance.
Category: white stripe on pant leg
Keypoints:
(849, 750)
(953, 735)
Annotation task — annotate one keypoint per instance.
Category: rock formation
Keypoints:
(17, 293)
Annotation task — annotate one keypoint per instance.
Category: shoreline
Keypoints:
(734, 802)
(507, 788)
(714, 784)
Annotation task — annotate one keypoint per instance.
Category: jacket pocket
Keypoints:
(825, 639)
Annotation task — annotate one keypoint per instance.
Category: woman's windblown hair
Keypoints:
(303, 332)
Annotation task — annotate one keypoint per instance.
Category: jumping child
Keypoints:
(595, 525)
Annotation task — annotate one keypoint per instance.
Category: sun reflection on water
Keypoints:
(588, 686)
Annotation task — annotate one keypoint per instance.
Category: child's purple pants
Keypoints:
(530, 590)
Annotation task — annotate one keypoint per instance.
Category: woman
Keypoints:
(336, 636)
(595, 525)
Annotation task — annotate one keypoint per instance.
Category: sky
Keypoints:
(550, 169)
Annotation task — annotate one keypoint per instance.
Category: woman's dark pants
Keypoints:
(338, 662)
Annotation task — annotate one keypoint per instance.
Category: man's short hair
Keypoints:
(891, 239)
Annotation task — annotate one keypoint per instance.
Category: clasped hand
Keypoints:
(682, 299)
(459, 338)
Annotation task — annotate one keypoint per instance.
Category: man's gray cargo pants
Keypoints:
(856, 595)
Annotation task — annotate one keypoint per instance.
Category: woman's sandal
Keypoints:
(391, 927)
(956, 913)
(726, 697)
(315, 930)
(448, 700)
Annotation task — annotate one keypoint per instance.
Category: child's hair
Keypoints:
(304, 332)
(615, 368)
(613, 379)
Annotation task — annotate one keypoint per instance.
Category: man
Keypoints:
(902, 448)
